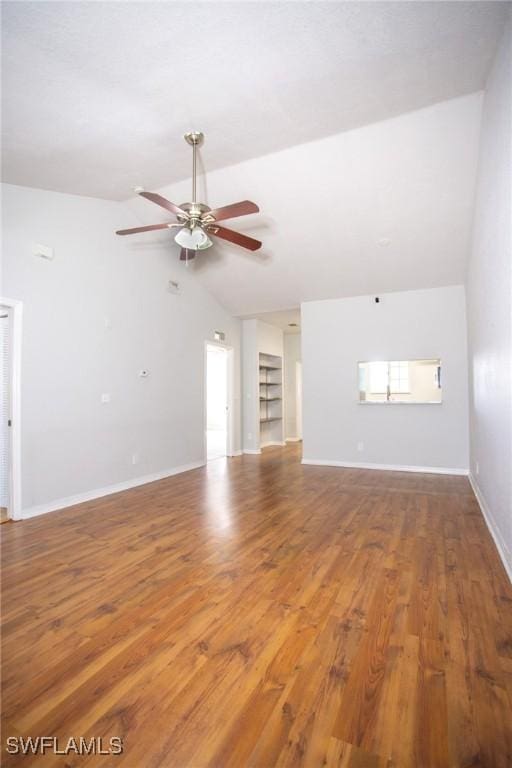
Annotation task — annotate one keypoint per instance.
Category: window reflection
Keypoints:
(400, 381)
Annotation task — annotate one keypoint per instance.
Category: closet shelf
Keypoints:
(271, 407)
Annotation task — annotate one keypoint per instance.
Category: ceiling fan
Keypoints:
(196, 221)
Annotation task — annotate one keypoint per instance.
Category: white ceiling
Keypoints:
(96, 95)
(281, 319)
(385, 207)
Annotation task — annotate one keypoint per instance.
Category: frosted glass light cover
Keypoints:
(195, 239)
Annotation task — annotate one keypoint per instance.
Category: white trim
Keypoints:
(270, 443)
(230, 397)
(501, 546)
(252, 452)
(97, 493)
(235, 453)
(387, 467)
(298, 398)
(16, 319)
(293, 439)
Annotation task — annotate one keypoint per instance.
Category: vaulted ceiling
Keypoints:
(385, 207)
(96, 95)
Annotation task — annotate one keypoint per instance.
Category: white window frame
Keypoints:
(393, 388)
(405, 388)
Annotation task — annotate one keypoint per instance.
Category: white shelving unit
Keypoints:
(271, 399)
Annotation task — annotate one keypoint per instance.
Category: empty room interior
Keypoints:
(256, 339)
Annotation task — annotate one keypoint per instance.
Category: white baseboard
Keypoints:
(386, 467)
(269, 443)
(293, 439)
(97, 493)
(501, 546)
(252, 452)
(235, 453)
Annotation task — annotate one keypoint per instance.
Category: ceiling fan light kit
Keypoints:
(195, 239)
(196, 221)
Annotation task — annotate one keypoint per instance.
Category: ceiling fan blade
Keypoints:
(232, 211)
(234, 237)
(149, 228)
(159, 200)
(186, 254)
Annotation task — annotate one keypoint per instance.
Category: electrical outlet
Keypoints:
(135, 458)
(249, 435)
(477, 468)
(105, 398)
(360, 446)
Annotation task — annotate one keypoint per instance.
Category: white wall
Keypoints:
(93, 317)
(489, 292)
(270, 339)
(338, 333)
(292, 355)
(250, 388)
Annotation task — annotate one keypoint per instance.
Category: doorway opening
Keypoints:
(217, 402)
(10, 453)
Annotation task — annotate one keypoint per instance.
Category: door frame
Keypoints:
(230, 417)
(298, 399)
(16, 319)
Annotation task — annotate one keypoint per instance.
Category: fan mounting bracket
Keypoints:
(195, 210)
(194, 138)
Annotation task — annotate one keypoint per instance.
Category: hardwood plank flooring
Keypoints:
(262, 613)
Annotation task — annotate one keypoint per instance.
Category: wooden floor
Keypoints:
(262, 613)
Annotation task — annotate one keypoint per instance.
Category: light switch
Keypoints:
(105, 398)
